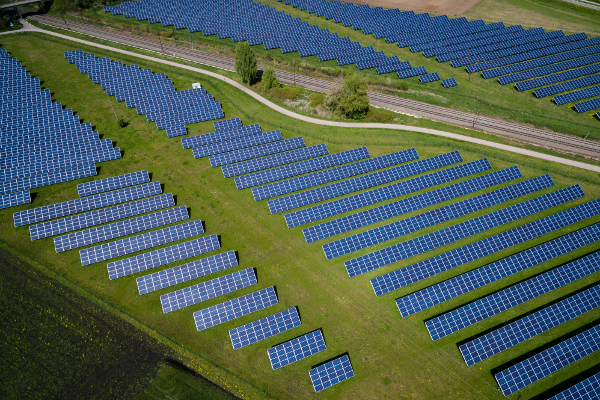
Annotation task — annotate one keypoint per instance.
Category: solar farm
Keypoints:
(283, 259)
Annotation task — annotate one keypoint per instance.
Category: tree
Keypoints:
(269, 80)
(4, 19)
(245, 62)
(350, 100)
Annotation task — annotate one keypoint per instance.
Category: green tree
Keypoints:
(350, 100)
(269, 81)
(245, 62)
(4, 19)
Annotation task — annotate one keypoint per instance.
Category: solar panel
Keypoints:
(256, 151)
(97, 217)
(584, 390)
(589, 105)
(227, 124)
(558, 77)
(235, 308)
(264, 328)
(331, 373)
(490, 245)
(374, 196)
(156, 258)
(112, 183)
(15, 199)
(430, 218)
(207, 290)
(120, 228)
(70, 207)
(362, 182)
(450, 82)
(300, 168)
(532, 325)
(548, 361)
(274, 160)
(186, 272)
(220, 136)
(429, 77)
(50, 178)
(479, 310)
(373, 215)
(236, 144)
(296, 349)
(566, 86)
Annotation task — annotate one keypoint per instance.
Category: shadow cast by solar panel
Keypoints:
(546, 346)
(175, 199)
(331, 359)
(568, 383)
(237, 256)
(33, 195)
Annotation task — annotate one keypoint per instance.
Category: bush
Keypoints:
(285, 93)
(4, 19)
(316, 99)
(269, 81)
(379, 115)
(350, 100)
(245, 62)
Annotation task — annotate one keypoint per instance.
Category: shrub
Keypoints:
(269, 81)
(350, 100)
(245, 62)
(285, 93)
(316, 99)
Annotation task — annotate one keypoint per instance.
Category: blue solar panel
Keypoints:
(118, 229)
(559, 77)
(85, 204)
(354, 202)
(186, 272)
(429, 77)
(532, 325)
(207, 290)
(590, 104)
(112, 183)
(15, 199)
(333, 174)
(490, 245)
(300, 168)
(407, 73)
(256, 151)
(296, 349)
(227, 124)
(165, 255)
(331, 373)
(236, 144)
(264, 328)
(219, 136)
(548, 361)
(371, 216)
(566, 86)
(421, 221)
(579, 95)
(50, 178)
(549, 69)
(450, 82)
(235, 308)
(274, 160)
(584, 390)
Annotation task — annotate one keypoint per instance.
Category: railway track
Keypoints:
(517, 132)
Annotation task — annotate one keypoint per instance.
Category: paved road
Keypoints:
(521, 133)
(307, 119)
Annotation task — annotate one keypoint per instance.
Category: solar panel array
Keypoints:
(156, 258)
(492, 244)
(429, 77)
(461, 230)
(296, 349)
(450, 82)
(288, 171)
(257, 151)
(549, 69)
(236, 144)
(97, 217)
(399, 207)
(548, 361)
(235, 308)
(576, 95)
(220, 136)
(15, 199)
(340, 206)
(326, 176)
(503, 300)
(151, 94)
(186, 272)
(462, 317)
(532, 325)
(584, 390)
(566, 86)
(264, 328)
(227, 124)
(208, 290)
(331, 373)
(112, 183)
(430, 218)
(558, 77)
(41, 143)
(70, 207)
(276, 160)
(590, 104)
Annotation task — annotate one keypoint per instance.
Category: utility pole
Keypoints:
(111, 105)
(64, 20)
(160, 40)
(192, 42)
(478, 112)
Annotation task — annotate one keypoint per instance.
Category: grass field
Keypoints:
(392, 357)
(473, 93)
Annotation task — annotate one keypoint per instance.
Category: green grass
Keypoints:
(473, 94)
(392, 357)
